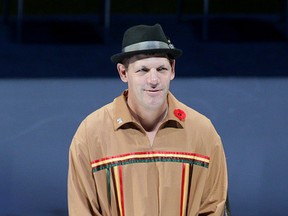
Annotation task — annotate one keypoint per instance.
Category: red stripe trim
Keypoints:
(121, 190)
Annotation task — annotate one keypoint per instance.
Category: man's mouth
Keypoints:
(153, 90)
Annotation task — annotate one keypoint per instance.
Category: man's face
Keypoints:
(148, 81)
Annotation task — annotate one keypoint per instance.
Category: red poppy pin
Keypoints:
(180, 114)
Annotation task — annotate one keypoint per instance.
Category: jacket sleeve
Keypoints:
(216, 186)
(82, 198)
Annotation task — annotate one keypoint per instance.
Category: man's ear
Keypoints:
(122, 72)
(173, 70)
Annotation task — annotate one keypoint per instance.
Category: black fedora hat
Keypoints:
(144, 39)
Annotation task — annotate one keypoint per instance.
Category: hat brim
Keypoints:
(118, 58)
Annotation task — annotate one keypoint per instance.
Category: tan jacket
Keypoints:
(114, 171)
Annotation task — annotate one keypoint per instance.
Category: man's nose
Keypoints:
(153, 76)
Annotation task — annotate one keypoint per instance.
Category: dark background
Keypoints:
(73, 7)
(68, 39)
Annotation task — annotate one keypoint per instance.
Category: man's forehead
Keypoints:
(145, 57)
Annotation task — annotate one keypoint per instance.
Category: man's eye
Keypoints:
(143, 70)
(161, 69)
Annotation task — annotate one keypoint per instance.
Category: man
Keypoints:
(146, 153)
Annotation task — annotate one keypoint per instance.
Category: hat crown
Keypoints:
(144, 39)
(141, 33)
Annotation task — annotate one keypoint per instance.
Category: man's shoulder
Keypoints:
(194, 115)
(100, 113)
(194, 118)
(107, 112)
(191, 113)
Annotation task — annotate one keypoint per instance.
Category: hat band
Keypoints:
(146, 45)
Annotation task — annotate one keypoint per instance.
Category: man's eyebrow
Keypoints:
(144, 67)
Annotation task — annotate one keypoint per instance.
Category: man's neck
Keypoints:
(150, 120)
